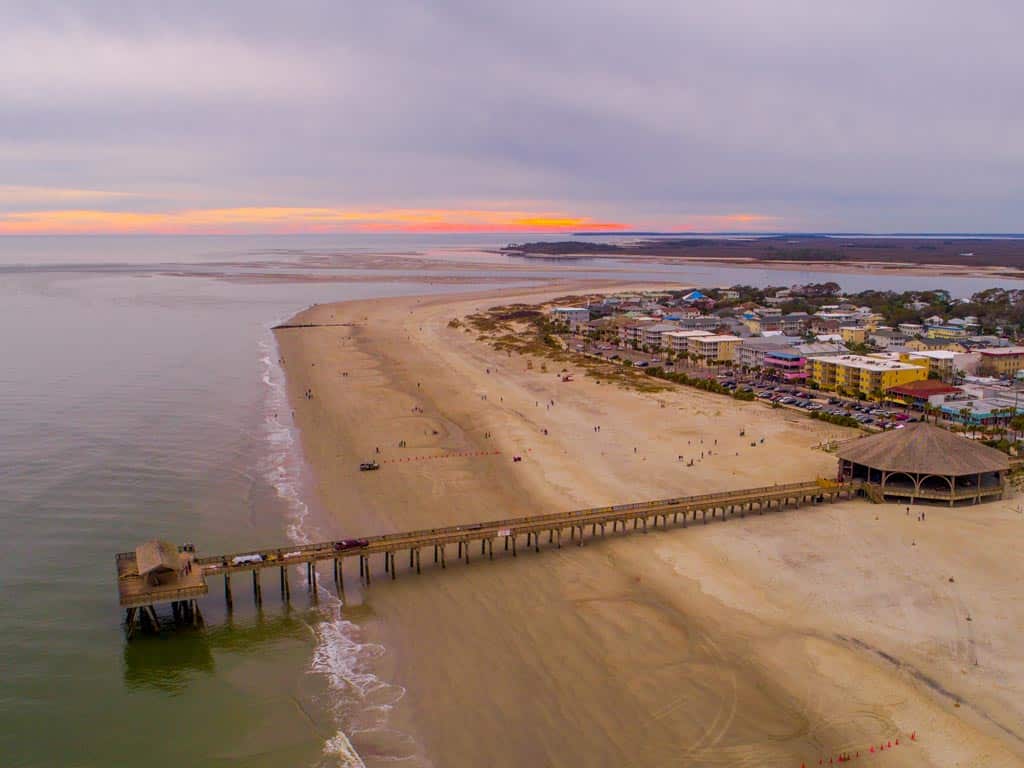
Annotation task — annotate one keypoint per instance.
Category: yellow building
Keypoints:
(1001, 361)
(946, 332)
(860, 375)
(853, 334)
(714, 349)
(940, 363)
(922, 345)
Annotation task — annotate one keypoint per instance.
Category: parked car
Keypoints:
(246, 559)
(346, 544)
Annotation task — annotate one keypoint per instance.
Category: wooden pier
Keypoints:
(138, 597)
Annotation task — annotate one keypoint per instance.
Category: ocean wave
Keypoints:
(360, 700)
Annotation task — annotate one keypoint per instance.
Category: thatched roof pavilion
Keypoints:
(156, 560)
(922, 461)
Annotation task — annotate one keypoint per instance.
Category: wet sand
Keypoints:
(753, 642)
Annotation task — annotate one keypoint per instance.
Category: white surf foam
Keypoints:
(360, 700)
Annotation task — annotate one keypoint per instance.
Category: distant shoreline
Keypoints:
(1002, 257)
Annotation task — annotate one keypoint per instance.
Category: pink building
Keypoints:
(789, 366)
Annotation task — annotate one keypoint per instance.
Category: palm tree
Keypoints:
(1017, 425)
(965, 415)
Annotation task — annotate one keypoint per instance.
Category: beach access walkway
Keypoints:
(139, 597)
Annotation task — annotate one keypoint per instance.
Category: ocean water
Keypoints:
(139, 397)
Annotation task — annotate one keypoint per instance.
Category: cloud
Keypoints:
(79, 66)
(13, 197)
(869, 116)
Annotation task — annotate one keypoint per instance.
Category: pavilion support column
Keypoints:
(559, 537)
(394, 571)
(257, 591)
(417, 560)
(536, 541)
(227, 590)
(444, 564)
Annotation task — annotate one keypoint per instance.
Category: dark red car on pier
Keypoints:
(346, 544)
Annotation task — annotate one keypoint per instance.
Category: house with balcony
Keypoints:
(714, 348)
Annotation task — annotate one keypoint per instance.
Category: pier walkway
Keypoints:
(139, 597)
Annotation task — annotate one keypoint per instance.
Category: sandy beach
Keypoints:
(764, 641)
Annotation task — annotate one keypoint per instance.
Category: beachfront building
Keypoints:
(714, 348)
(750, 353)
(982, 412)
(573, 317)
(652, 334)
(862, 376)
(786, 365)
(941, 363)
(910, 329)
(918, 394)
(1003, 362)
(924, 462)
(678, 341)
(631, 332)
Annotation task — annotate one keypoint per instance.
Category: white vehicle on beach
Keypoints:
(287, 555)
(246, 559)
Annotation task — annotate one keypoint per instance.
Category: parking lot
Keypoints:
(868, 415)
(808, 400)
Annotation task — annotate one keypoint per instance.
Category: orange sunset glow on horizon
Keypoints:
(294, 220)
(313, 220)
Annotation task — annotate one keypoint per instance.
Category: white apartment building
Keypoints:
(679, 341)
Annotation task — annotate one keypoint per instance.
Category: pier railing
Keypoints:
(139, 597)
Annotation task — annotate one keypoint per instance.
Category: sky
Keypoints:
(471, 115)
